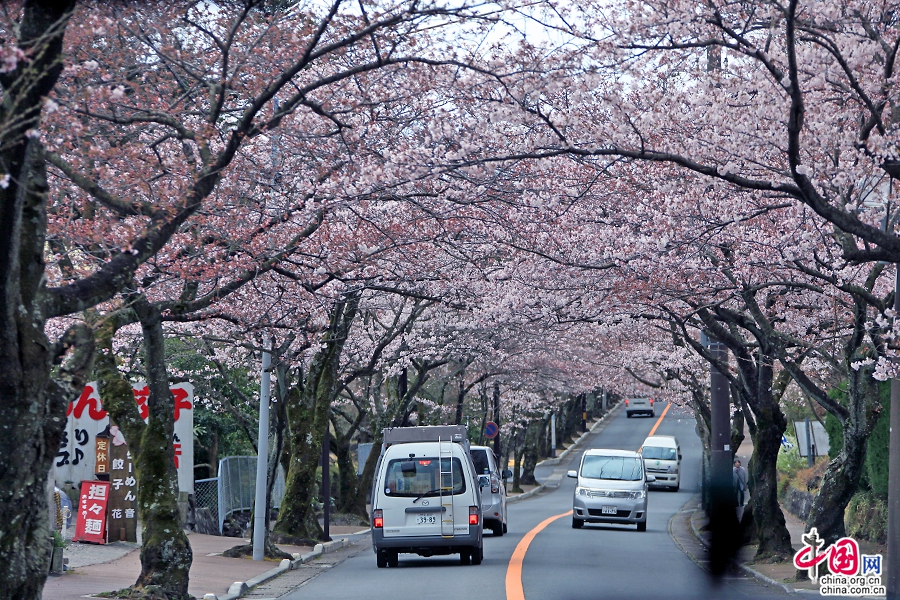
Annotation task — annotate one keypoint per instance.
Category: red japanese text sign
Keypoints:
(91, 525)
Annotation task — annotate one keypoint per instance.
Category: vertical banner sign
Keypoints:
(78, 454)
(122, 493)
(91, 525)
(101, 452)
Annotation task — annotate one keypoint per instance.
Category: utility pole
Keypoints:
(496, 401)
(584, 412)
(892, 562)
(552, 435)
(260, 507)
(722, 515)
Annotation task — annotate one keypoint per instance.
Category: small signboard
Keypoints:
(491, 430)
(122, 494)
(819, 440)
(92, 504)
(101, 453)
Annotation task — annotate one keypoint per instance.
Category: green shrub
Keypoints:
(789, 460)
(866, 517)
(877, 451)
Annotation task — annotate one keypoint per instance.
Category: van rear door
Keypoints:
(415, 502)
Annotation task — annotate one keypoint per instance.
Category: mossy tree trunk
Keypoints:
(308, 416)
(33, 395)
(166, 554)
(532, 450)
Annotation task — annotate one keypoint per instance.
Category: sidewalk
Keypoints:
(110, 567)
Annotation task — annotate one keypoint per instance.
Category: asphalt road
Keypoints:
(598, 561)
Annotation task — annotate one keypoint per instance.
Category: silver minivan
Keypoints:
(611, 488)
(493, 492)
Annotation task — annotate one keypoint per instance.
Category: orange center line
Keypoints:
(514, 590)
(659, 420)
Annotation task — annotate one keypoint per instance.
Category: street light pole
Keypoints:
(892, 562)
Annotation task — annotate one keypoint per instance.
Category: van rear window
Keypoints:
(659, 453)
(422, 477)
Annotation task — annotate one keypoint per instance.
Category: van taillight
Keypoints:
(495, 484)
(626, 401)
(378, 521)
(651, 401)
(473, 515)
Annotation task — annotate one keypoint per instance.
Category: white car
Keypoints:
(662, 459)
(612, 488)
(639, 406)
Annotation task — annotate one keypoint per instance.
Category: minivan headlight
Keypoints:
(638, 495)
(582, 491)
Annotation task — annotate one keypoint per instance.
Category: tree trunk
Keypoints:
(771, 530)
(349, 501)
(532, 450)
(166, 554)
(308, 415)
(33, 398)
(841, 479)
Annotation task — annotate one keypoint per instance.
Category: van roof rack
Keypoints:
(427, 433)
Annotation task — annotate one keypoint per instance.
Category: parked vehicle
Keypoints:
(426, 497)
(612, 488)
(493, 492)
(662, 459)
(639, 406)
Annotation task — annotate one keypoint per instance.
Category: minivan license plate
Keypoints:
(608, 510)
(426, 520)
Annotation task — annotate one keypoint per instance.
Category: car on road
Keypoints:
(611, 488)
(639, 406)
(493, 492)
(426, 497)
(662, 459)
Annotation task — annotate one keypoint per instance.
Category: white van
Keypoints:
(662, 459)
(426, 498)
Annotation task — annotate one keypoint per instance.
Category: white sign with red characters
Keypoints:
(76, 458)
(91, 526)
(851, 573)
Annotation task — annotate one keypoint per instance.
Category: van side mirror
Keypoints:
(650, 478)
(679, 457)
(506, 474)
(572, 474)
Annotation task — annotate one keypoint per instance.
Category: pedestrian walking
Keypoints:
(739, 478)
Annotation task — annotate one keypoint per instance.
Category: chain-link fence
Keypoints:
(234, 490)
(206, 494)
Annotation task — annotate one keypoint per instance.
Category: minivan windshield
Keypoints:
(425, 478)
(659, 453)
(622, 468)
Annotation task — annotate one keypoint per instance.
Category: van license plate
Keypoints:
(426, 520)
(608, 510)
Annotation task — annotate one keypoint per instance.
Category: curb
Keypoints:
(239, 588)
(556, 461)
(747, 570)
